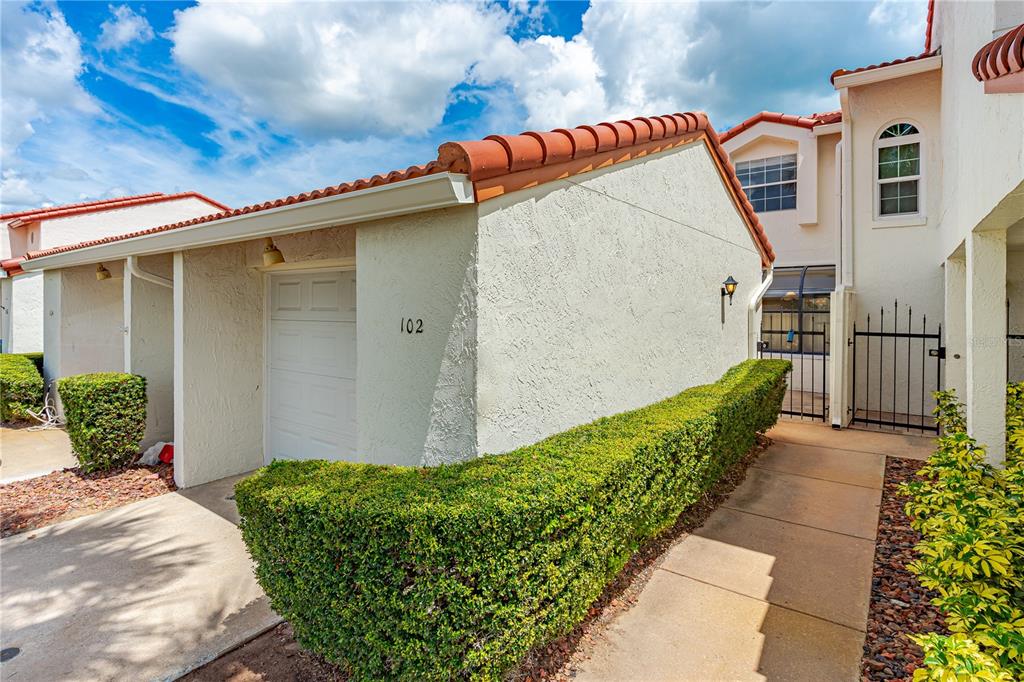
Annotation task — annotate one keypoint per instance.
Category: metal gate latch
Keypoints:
(939, 352)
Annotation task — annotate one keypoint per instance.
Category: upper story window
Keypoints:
(770, 184)
(899, 170)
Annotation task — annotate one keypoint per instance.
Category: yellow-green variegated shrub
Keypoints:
(971, 517)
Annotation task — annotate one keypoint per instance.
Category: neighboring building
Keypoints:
(511, 289)
(919, 202)
(21, 293)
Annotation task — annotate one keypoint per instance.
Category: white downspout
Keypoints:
(753, 328)
(131, 266)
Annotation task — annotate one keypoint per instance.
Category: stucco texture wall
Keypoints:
(91, 320)
(151, 345)
(416, 392)
(219, 419)
(601, 293)
(26, 313)
(891, 261)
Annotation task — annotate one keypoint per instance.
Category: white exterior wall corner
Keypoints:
(26, 314)
(219, 309)
(805, 235)
(149, 347)
(982, 136)
(596, 295)
(416, 393)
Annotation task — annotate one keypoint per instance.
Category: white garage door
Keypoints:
(312, 367)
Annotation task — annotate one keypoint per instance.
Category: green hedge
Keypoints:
(21, 387)
(971, 518)
(106, 417)
(457, 571)
(36, 358)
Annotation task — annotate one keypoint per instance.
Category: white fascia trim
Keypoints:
(884, 73)
(827, 129)
(440, 190)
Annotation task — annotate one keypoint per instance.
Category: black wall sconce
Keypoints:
(728, 289)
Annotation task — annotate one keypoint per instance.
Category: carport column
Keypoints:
(955, 324)
(179, 369)
(986, 341)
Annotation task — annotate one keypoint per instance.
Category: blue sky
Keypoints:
(250, 101)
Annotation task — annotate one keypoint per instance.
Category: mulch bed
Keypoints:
(62, 495)
(275, 655)
(899, 605)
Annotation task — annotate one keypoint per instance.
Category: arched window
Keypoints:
(899, 170)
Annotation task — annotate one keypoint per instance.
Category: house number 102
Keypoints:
(411, 326)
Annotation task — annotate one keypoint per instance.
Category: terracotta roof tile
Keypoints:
(18, 214)
(928, 26)
(846, 72)
(25, 217)
(1000, 57)
(787, 119)
(501, 163)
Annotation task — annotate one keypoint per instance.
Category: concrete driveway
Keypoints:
(27, 454)
(147, 591)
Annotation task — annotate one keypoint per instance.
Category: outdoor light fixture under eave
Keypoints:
(101, 272)
(728, 289)
(271, 254)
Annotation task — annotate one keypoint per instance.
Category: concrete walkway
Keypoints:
(27, 454)
(776, 584)
(143, 592)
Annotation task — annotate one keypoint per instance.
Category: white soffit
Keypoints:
(884, 73)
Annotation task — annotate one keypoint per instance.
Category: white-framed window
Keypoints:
(898, 176)
(770, 183)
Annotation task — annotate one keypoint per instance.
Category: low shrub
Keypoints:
(971, 517)
(458, 571)
(21, 388)
(36, 358)
(106, 417)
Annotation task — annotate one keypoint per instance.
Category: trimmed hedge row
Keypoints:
(457, 571)
(105, 415)
(36, 358)
(971, 518)
(21, 387)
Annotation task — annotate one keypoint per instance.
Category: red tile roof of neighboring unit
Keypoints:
(1000, 57)
(928, 26)
(846, 72)
(504, 163)
(24, 217)
(788, 119)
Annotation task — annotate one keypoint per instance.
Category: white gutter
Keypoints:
(827, 129)
(132, 269)
(753, 328)
(439, 190)
(884, 73)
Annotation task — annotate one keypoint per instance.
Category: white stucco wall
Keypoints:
(26, 334)
(983, 137)
(416, 392)
(150, 345)
(601, 293)
(1015, 294)
(6, 308)
(218, 415)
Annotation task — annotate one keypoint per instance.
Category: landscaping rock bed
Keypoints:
(62, 495)
(899, 605)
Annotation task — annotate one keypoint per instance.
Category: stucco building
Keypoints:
(21, 293)
(510, 289)
(910, 200)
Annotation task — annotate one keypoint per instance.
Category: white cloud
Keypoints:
(903, 20)
(17, 192)
(124, 28)
(338, 69)
(42, 59)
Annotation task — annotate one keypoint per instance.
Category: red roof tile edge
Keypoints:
(499, 155)
(1000, 57)
(12, 266)
(97, 202)
(928, 26)
(111, 205)
(846, 72)
(787, 119)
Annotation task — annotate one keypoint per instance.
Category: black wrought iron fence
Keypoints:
(803, 339)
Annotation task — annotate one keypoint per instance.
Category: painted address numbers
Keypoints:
(411, 326)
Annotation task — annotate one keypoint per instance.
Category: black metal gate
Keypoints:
(803, 339)
(896, 368)
(1014, 350)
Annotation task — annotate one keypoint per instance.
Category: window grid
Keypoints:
(899, 170)
(770, 183)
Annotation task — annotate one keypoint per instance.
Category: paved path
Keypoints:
(143, 592)
(26, 454)
(776, 584)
